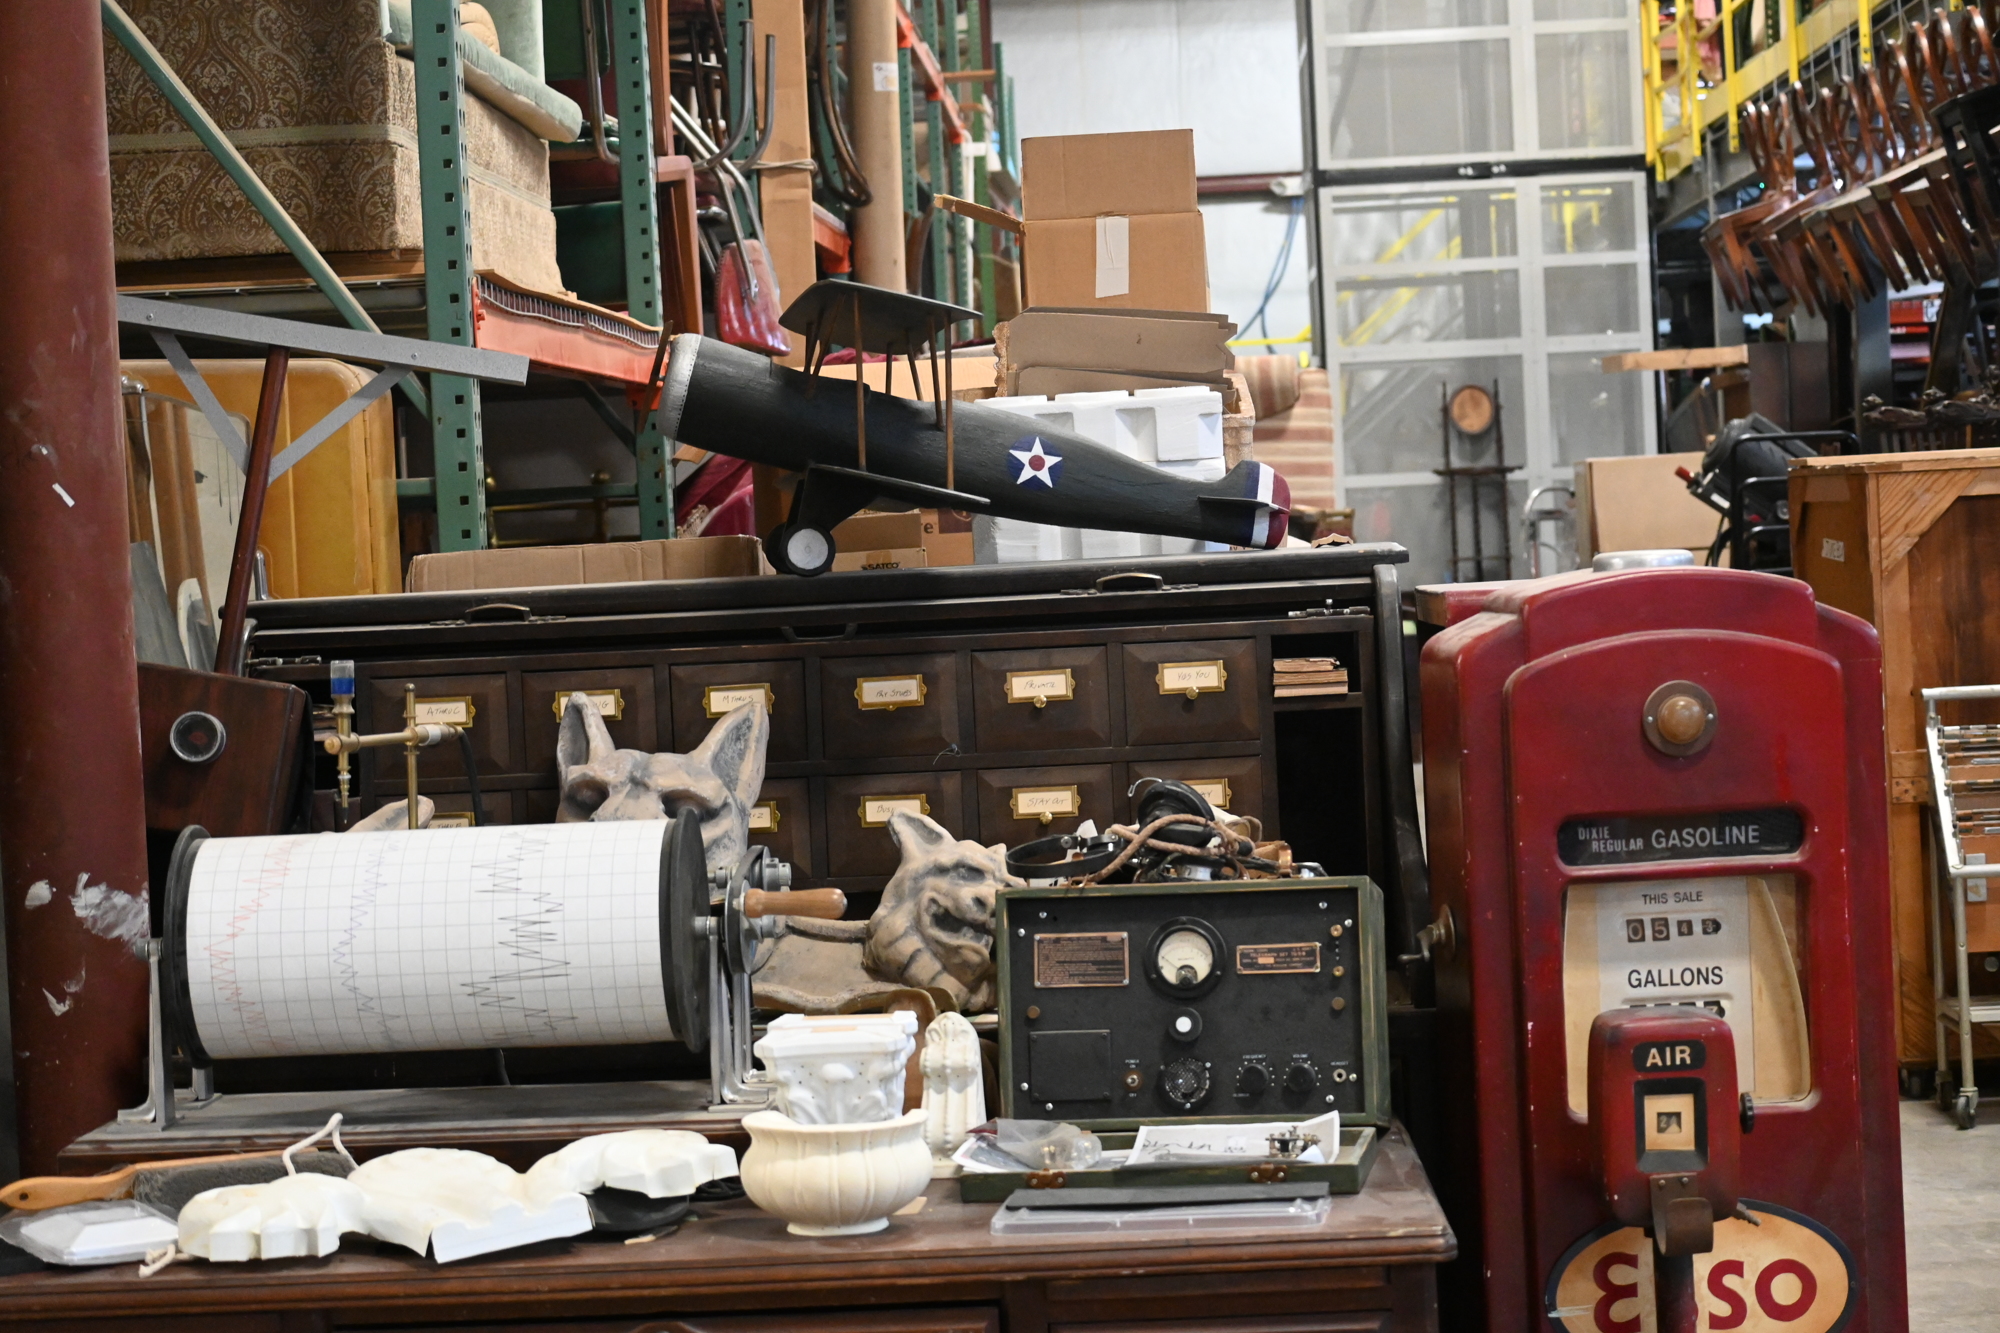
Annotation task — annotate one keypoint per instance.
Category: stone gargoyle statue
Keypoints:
(933, 930)
(719, 779)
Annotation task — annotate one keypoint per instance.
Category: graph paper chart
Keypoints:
(445, 939)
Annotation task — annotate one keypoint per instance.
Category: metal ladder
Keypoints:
(1965, 787)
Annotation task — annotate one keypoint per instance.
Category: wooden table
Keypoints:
(1369, 1268)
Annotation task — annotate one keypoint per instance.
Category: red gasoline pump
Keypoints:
(1657, 841)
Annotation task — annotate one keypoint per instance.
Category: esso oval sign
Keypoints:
(1788, 1274)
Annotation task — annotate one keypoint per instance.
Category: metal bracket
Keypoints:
(158, 1108)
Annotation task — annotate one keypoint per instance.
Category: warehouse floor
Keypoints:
(1951, 1214)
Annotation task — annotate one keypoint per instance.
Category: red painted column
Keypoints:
(72, 805)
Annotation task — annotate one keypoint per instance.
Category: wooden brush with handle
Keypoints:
(153, 1182)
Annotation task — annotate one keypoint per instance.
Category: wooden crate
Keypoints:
(1911, 543)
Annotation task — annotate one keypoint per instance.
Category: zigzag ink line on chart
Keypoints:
(368, 886)
(529, 934)
(271, 875)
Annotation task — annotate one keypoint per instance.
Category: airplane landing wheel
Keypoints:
(801, 550)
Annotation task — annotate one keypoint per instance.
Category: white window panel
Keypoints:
(1573, 283)
(1417, 82)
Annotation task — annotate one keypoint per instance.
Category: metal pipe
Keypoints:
(72, 797)
(875, 110)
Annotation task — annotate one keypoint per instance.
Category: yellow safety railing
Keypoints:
(1681, 103)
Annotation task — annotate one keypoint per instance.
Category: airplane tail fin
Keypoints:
(1259, 501)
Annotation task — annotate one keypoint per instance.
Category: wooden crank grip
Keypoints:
(826, 904)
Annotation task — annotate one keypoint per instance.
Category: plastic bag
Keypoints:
(1044, 1145)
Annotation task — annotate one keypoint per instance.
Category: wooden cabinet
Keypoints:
(783, 821)
(1911, 544)
(1019, 804)
(1177, 692)
(482, 704)
(877, 707)
(1042, 699)
(704, 692)
(1112, 668)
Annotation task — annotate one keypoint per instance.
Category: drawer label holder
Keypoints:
(608, 703)
(718, 700)
(875, 810)
(891, 692)
(450, 711)
(1045, 804)
(1038, 687)
(1075, 961)
(764, 817)
(1192, 678)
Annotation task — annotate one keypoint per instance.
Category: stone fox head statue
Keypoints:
(934, 926)
(718, 780)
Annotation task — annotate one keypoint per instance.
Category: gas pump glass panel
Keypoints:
(1727, 944)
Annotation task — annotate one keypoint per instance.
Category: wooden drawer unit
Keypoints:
(1176, 693)
(856, 811)
(1042, 699)
(1018, 804)
(782, 821)
(701, 694)
(479, 703)
(623, 697)
(1237, 785)
(878, 707)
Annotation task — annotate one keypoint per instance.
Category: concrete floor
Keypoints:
(1951, 1216)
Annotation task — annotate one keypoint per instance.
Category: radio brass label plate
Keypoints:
(1068, 962)
(608, 703)
(1273, 959)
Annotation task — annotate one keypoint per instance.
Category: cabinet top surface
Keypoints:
(735, 1247)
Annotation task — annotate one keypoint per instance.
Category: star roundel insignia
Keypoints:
(1036, 464)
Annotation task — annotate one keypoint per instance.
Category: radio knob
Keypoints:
(1301, 1078)
(1252, 1080)
(1185, 1083)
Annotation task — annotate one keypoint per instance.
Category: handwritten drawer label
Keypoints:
(608, 703)
(890, 692)
(454, 712)
(1252, 959)
(717, 700)
(1192, 678)
(460, 819)
(764, 817)
(875, 810)
(1066, 962)
(1044, 803)
(1038, 687)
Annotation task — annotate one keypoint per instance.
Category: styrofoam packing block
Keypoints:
(1181, 423)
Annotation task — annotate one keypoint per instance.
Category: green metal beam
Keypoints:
(638, 186)
(442, 182)
(213, 138)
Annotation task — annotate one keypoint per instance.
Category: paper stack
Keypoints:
(1295, 676)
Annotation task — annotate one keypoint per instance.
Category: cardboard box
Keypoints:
(1184, 345)
(1638, 504)
(1051, 380)
(1085, 175)
(604, 562)
(1159, 263)
(905, 557)
(944, 538)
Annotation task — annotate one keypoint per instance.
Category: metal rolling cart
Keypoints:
(1965, 782)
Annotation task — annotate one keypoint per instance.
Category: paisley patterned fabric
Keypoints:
(325, 112)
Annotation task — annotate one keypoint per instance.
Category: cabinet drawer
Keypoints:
(875, 706)
(782, 820)
(1179, 692)
(1017, 805)
(1237, 785)
(623, 697)
(477, 702)
(1075, 707)
(701, 694)
(856, 844)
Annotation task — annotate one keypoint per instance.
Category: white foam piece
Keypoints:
(292, 1217)
(459, 1204)
(658, 1163)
